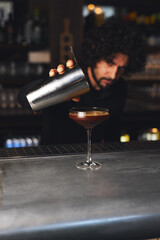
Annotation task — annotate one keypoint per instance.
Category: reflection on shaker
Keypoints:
(2, 174)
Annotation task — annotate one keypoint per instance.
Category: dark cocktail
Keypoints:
(89, 117)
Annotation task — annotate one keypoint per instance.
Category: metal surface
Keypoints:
(60, 88)
(50, 150)
(49, 198)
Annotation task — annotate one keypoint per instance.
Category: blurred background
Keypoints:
(35, 35)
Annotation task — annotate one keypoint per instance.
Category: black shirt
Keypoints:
(58, 128)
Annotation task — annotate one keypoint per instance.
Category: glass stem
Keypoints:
(89, 158)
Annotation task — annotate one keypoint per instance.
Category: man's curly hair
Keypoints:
(113, 37)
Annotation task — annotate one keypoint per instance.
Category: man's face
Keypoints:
(108, 72)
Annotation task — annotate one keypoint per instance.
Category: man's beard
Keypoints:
(98, 81)
(112, 82)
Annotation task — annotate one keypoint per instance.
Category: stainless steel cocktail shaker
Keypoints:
(60, 88)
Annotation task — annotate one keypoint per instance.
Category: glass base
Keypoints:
(89, 165)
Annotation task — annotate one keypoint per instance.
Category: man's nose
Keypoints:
(113, 72)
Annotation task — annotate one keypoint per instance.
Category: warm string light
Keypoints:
(98, 10)
(91, 7)
(125, 138)
(154, 130)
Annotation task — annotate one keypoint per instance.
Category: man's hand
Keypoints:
(60, 70)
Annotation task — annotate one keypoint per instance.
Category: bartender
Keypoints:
(108, 53)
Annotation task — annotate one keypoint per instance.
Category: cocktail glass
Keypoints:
(89, 117)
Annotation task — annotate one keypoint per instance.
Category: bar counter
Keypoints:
(44, 196)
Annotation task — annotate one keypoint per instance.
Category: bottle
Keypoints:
(157, 29)
(132, 16)
(90, 18)
(151, 39)
(28, 30)
(37, 28)
(19, 35)
(10, 29)
(2, 27)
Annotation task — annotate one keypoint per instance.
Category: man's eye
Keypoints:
(110, 63)
(122, 69)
